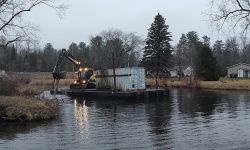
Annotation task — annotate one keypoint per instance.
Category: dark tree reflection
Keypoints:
(9, 130)
(192, 102)
(159, 115)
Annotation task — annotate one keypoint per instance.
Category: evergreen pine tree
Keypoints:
(50, 56)
(84, 53)
(158, 51)
(12, 58)
(181, 55)
(218, 50)
(207, 66)
(194, 46)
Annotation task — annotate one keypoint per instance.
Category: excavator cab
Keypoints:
(84, 79)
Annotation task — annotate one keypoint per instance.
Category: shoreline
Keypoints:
(22, 108)
(208, 89)
(222, 84)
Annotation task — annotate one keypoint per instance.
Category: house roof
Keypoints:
(238, 65)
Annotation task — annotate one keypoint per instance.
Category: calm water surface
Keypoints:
(186, 119)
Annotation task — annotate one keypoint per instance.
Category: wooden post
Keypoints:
(113, 59)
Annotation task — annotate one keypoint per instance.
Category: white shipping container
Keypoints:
(127, 79)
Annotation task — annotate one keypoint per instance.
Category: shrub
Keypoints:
(27, 91)
(8, 86)
(26, 109)
(15, 84)
(191, 82)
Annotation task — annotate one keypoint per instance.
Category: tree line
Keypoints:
(206, 62)
(98, 54)
(229, 52)
(159, 57)
(156, 53)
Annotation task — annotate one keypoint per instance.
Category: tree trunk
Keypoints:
(156, 79)
(156, 82)
(113, 60)
(157, 71)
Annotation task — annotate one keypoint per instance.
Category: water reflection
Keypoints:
(186, 119)
(209, 102)
(118, 123)
(9, 131)
(197, 102)
(81, 117)
(159, 112)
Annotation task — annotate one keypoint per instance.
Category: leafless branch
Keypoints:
(235, 12)
(11, 21)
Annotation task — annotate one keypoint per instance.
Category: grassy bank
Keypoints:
(13, 108)
(19, 102)
(222, 84)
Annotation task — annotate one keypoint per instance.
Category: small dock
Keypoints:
(119, 94)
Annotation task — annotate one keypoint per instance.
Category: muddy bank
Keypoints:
(13, 108)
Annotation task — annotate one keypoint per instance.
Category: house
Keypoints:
(3, 73)
(186, 71)
(241, 70)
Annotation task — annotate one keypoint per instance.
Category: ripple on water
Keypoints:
(187, 119)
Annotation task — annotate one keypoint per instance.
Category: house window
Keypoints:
(246, 74)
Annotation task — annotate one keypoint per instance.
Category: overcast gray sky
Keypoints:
(89, 17)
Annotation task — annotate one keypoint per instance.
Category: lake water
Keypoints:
(186, 119)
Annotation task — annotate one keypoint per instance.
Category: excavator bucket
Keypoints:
(61, 75)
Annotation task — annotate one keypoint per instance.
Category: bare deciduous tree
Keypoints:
(125, 46)
(12, 26)
(234, 13)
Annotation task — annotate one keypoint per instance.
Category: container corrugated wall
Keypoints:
(126, 79)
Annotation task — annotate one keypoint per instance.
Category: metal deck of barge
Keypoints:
(118, 94)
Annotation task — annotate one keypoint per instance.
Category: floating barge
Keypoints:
(119, 94)
(125, 82)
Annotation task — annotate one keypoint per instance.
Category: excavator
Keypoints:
(85, 78)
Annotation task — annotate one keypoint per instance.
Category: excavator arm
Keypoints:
(57, 73)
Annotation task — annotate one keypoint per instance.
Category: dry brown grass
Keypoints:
(44, 81)
(226, 84)
(222, 84)
(171, 82)
(27, 109)
(41, 81)
(29, 84)
(151, 82)
(14, 108)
